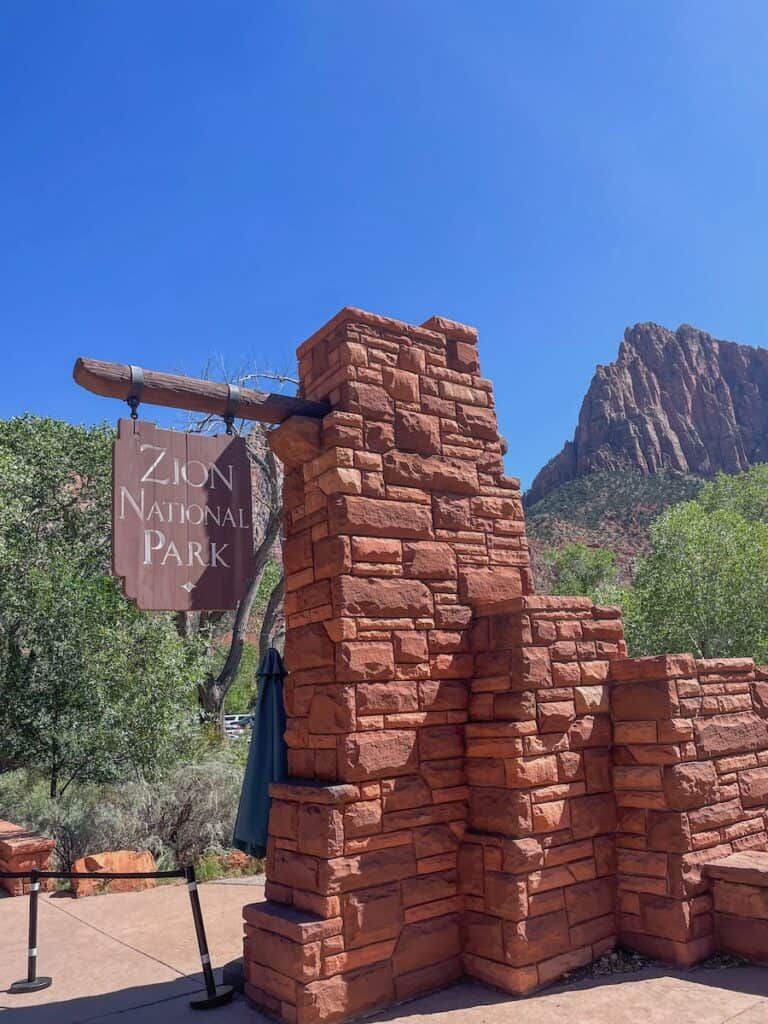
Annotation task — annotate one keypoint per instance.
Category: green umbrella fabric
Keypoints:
(267, 758)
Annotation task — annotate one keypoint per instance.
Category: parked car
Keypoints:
(236, 726)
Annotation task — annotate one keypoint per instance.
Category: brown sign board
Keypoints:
(182, 526)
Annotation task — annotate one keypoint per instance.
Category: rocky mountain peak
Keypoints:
(673, 400)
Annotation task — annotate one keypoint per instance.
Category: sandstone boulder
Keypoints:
(119, 861)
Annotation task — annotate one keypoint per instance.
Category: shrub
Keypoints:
(191, 811)
(181, 816)
(86, 819)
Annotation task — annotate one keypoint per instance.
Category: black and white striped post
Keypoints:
(214, 995)
(32, 983)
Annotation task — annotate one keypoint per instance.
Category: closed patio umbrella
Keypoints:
(267, 760)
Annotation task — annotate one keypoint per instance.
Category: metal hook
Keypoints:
(134, 394)
(233, 404)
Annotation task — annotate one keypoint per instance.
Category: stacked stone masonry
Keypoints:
(740, 895)
(538, 864)
(22, 850)
(481, 781)
(690, 752)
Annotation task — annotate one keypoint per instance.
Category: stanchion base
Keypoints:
(223, 995)
(30, 986)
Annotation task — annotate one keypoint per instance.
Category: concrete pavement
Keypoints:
(131, 958)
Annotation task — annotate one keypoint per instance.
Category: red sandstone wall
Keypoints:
(691, 782)
(538, 864)
(398, 518)
(482, 781)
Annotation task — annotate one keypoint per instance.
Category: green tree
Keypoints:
(744, 493)
(581, 571)
(90, 688)
(703, 587)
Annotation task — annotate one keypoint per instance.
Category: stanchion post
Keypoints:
(32, 983)
(214, 995)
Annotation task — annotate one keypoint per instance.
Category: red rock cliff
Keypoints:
(678, 400)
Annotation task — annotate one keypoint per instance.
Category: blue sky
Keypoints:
(180, 180)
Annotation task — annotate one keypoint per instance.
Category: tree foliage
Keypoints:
(703, 587)
(745, 493)
(90, 688)
(581, 571)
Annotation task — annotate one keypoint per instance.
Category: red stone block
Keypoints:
(507, 812)
(402, 793)
(308, 647)
(484, 586)
(590, 899)
(428, 979)
(590, 731)
(332, 557)
(443, 694)
(416, 432)
(410, 647)
(371, 915)
(535, 939)
(429, 887)
(431, 473)
(740, 899)
(367, 400)
(506, 896)
(320, 830)
(451, 666)
(360, 819)
(413, 817)
(597, 770)
(428, 560)
(667, 918)
(381, 598)
(746, 937)
(376, 755)
(425, 942)
(593, 815)
(483, 935)
(753, 786)
(299, 961)
(687, 870)
(367, 661)
(664, 666)
(716, 816)
(373, 517)
(517, 980)
(359, 871)
(551, 970)
(387, 698)
(477, 422)
(730, 734)
(750, 867)
(332, 709)
(296, 441)
(599, 930)
(441, 741)
(345, 995)
(679, 954)
(641, 701)
(668, 831)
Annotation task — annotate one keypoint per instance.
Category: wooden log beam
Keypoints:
(113, 380)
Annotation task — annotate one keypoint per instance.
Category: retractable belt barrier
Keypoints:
(214, 995)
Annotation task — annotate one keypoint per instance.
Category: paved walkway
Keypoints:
(132, 959)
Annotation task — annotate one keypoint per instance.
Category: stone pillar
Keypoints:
(398, 519)
(691, 782)
(537, 866)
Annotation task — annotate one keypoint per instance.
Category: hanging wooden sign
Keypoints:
(182, 528)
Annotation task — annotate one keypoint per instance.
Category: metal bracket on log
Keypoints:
(113, 380)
